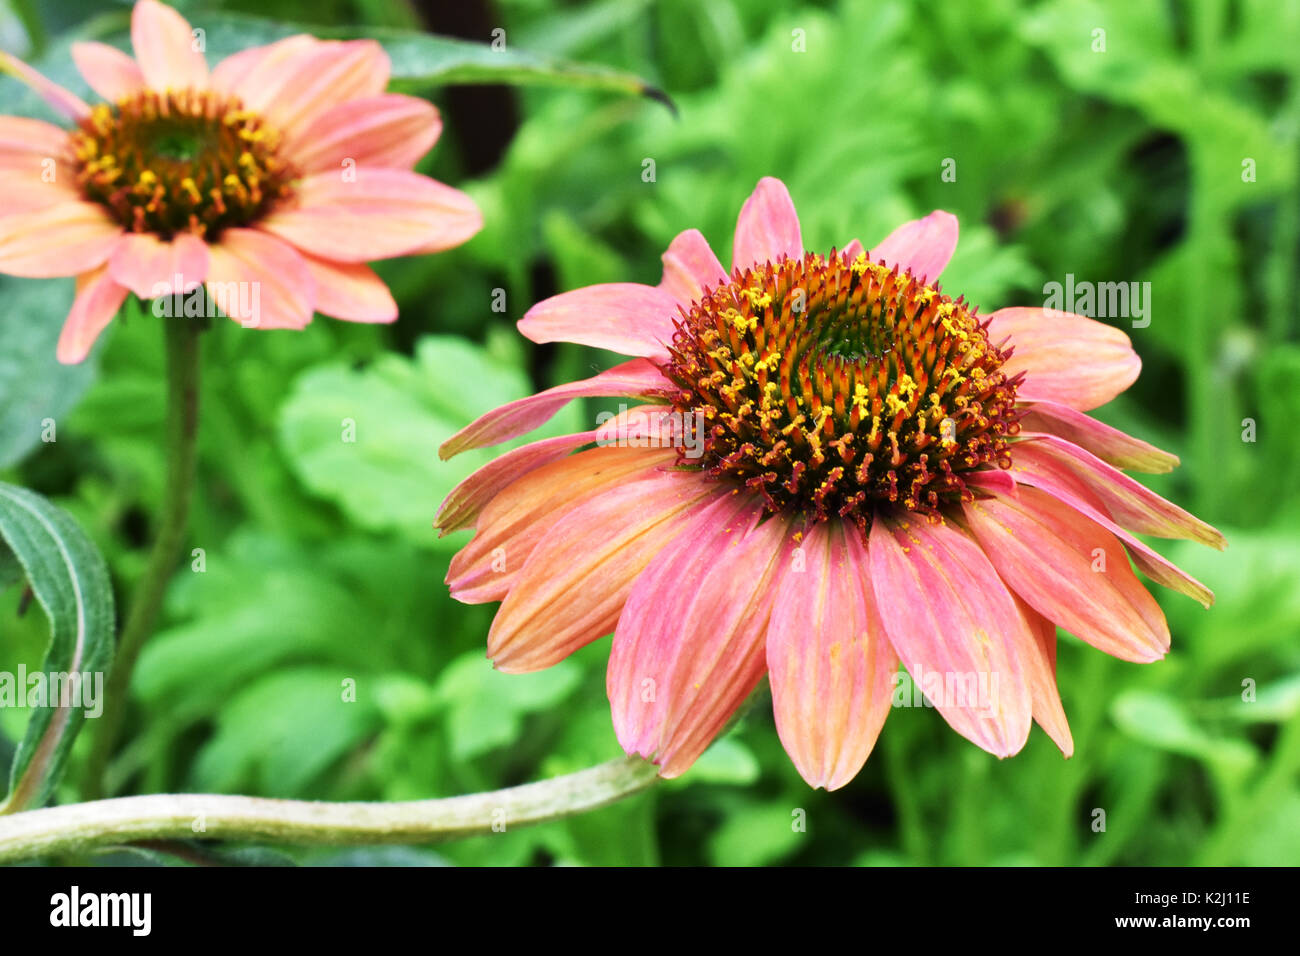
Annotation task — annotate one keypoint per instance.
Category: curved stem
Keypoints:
(81, 826)
(182, 338)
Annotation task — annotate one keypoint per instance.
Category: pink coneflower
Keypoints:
(881, 476)
(284, 169)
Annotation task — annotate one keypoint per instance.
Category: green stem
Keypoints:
(182, 338)
(82, 826)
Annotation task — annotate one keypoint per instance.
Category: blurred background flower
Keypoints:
(1163, 149)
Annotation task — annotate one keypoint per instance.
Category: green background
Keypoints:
(1170, 157)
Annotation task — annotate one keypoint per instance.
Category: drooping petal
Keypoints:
(463, 505)
(768, 227)
(1109, 444)
(519, 514)
(378, 214)
(98, 299)
(350, 291)
(1031, 465)
(259, 281)
(107, 70)
(1040, 673)
(685, 657)
(690, 267)
(1132, 504)
(623, 317)
(1072, 571)
(576, 581)
(923, 245)
(64, 102)
(955, 626)
(388, 131)
(151, 267)
(166, 49)
(833, 669)
(637, 378)
(1066, 358)
(66, 239)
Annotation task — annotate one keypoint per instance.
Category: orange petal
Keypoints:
(685, 657)
(1072, 571)
(574, 584)
(1040, 672)
(68, 238)
(378, 214)
(98, 299)
(955, 626)
(833, 669)
(166, 49)
(109, 72)
(259, 281)
(151, 267)
(516, 519)
(298, 82)
(350, 291)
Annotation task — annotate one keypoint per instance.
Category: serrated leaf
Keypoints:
(69, 579)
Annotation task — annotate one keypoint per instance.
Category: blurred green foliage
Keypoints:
(1171, 157)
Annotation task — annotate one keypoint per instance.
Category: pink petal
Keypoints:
(1040, 673)
(462, 506)
(109, 72)
(257, 74)
(690, 267)
(1072, 571)
(637, 378)
(953, 622)
(350, 291)
(259, 281)
(1130, 503)
(61, 240)
(31, 186)
(296, 81)
(852, 251)
(1066, 358)
(522, 512)
(1109, 444)
(768, 227)
(685, 657)
(574, 584)
(623, 317)
(33, 137)
(391, 131)
(98, 299)
(833, 669)
(60, 100)
(922, 245)
(379, 214)
(151, 267)
(166, 48)
(1034, 465)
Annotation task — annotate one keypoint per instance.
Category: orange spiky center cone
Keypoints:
(181, 161)
(832, 388)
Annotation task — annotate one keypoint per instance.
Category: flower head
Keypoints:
(839, 468)
(285, 169)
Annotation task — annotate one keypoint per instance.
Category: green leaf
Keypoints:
(70, 580)
(35, 390)
(368, 439)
